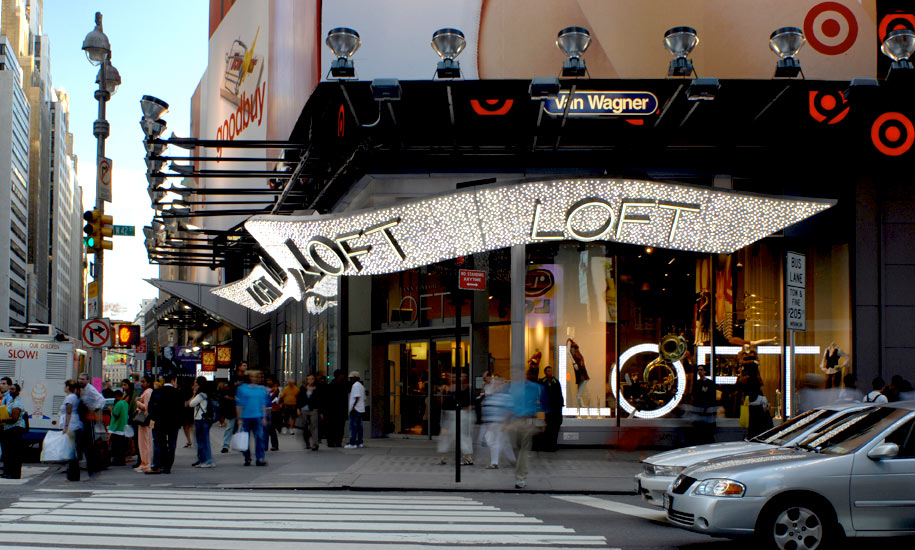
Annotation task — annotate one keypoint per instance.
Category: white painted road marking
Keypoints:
(618, 507)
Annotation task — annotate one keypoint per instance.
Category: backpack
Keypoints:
(212, 411)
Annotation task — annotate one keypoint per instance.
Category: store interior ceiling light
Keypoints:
(573, 42)
(343, 42)
(448, 44)
(786, 42)
(680, 42)
(153, 107)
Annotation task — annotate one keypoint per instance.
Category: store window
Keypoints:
(667, 308)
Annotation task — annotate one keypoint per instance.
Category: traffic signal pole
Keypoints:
(100, 129)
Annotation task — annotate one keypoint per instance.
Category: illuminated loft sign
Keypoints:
(599, 104)
(308, 253)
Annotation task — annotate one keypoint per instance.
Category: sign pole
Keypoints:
(796, 313)
(458, 356)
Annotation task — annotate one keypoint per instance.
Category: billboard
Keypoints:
(516, 38)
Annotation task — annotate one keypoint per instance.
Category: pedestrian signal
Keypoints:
(128, 335)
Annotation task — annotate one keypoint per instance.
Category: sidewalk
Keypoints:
(383, 464)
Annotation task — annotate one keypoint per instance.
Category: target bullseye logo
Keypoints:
(894, 22)
(828, 107)
(491, 106)
(893, 134)
(831, 28)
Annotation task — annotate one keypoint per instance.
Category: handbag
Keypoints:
(745, 413)
(57, 447)
(239, 442)
(141, 419)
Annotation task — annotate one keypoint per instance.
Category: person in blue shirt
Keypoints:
(528, 419)
(252, 406)
(13, 429)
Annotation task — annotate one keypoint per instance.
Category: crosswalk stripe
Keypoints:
(413, 517)
(333, 536)
(107, 543)
(296, 496)
(165, 505)
(418, 516)
(365, 525)
(618, 507)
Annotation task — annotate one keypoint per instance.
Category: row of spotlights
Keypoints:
(785, 42)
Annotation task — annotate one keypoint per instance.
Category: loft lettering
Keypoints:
(631, 211)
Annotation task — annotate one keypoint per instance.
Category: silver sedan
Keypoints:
(856, 479)
(660, 470)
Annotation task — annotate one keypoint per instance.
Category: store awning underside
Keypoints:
(199, 295)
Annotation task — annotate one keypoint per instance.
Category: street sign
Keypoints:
(797, 309)
(795, 284)
(124, 230)
(103, 179)
(470, 279)
(97, 333)
(92, 299)
(141, 348)
(796, 265)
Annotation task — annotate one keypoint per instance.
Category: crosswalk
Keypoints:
(244, 520)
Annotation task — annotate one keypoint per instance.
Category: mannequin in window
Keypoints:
(833, 362)
(581, 372)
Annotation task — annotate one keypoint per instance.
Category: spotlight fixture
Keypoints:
(343, 42)
(786, 42)
(573, 41)
(448, 44)
(152, 128)
(680, 42)
(544, 88)
(899, 46)
(386, 89)
(153, 107)
(703, 89)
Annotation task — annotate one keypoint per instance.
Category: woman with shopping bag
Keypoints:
(144, 432)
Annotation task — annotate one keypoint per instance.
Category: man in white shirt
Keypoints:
(356, 410)
(876, 396)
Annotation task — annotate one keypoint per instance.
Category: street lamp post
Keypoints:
(98, 51)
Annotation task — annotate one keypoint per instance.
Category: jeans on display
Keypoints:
(230, 431)
(355, 428)
(202, 434)
(256, 428)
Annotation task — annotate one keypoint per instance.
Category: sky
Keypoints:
(160, 49)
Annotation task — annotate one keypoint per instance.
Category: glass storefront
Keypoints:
(591, 305)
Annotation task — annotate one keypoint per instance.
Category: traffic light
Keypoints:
(98, 227)
(128, 335)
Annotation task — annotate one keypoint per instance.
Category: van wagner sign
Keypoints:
(311, 251)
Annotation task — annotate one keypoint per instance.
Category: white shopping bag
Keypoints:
(57, 447)
(239, 442)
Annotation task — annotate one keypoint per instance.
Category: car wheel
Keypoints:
(803, 526)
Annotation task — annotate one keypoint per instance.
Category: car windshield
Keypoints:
(786, 431)
(854, 431)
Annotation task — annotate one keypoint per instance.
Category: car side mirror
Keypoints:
(884, 450)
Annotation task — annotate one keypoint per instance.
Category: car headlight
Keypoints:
(720, 488)
(663, 471)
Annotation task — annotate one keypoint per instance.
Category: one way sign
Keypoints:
(97, 333)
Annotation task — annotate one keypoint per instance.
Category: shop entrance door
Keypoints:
(419, 374)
